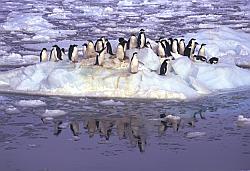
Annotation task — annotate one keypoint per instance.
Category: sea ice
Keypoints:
(30, 103)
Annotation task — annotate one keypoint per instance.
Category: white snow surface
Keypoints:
(30, 103)
(53, 113)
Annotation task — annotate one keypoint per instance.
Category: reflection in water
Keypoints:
(130, 127)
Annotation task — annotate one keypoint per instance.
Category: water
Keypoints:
(129, 136)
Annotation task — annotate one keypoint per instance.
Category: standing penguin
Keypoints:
(120, 53)
(63, 53)
(74, 55)
(43, 55)
(109, 47)
(55, 54)
(132, 42)
(100, 57)
(134, 64)
(71, 47)
(141, 41)
(201, 51)
(165, 67)
(175, 46)
(90, 51)
(181, 46)
(84, 49)
(99, 45)
(161, 49)
(188, 51)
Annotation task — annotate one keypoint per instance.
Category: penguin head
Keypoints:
(121, 39)
(75, 45)
(54, 46)
(196, 43)
(44, 49)
(182, 40)
(85, 45)
(203, 44)
(63, 50)
(90, 42)
(142, 30)
(135, 54)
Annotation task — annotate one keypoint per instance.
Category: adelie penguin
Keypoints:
(165, 67)
(175, 46)
(84, 50)
(124, 43)
(201, 51)
(55, 54)
(213, 60)
(100, 57)
(43, 55)
(120, 52)
(99, 45)
(134, 64)
(141, 41)
(108, 47)
(73, 53)
(190, 45)
(132, 42)
(200, 58)
(90, 51)
(181, 46)
(161, 49)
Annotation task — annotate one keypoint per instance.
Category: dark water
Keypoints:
(92, 136)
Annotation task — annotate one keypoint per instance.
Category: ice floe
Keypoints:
(51, 114)
(195, 134)
(111, 103)
(30, 103)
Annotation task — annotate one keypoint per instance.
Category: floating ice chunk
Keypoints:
(12, 110)
(242, 121)
(53, 113)
(111, 103)
(195, 134)
(30, 103)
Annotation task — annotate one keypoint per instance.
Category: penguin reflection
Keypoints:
(75, 128)
(91, 125)
(105, 128)
(122, 126)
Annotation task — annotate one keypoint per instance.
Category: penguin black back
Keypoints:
(213, 60)
(109, 47)
(163, 68)
(59, 53)
(71, 48)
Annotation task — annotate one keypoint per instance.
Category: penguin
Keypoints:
(165, 67)
(187, 51)
(43, 55)
(132, 42)
(161, 49)
(90, 51)
(55, 54)
(181, 47)
(84, 49)
(74, 55)
(120, 53)
(191, 45)
(63, 53)
(201, 51)
(148, 45)
(109, 47)
(134, 64)
(213, 60)
(200, 58)
(141, 40)
(175, 46)
(99, 45)
(92, 125)
(71, 48)
(100, 57)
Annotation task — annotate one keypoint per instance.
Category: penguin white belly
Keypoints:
(90, 52)
(99, 46)
(202, 52)
(75, 55)
(143, 41)
(101, 58)
(175, 47)
(161, 51)
(54, 55)
(182, 49)
(133, 43)
(120, 52)
(44, 56)
(134, 66)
